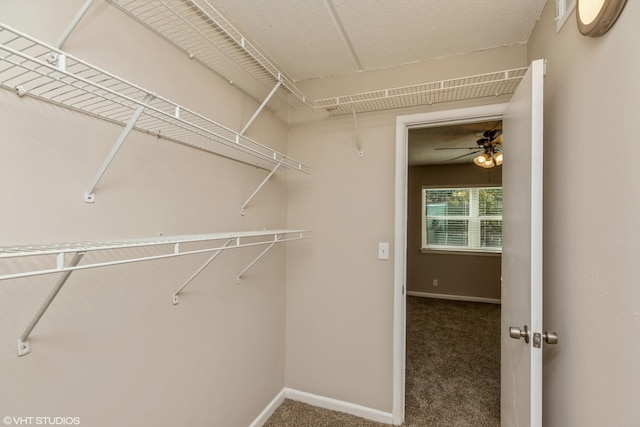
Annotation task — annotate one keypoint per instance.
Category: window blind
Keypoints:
(462, 219)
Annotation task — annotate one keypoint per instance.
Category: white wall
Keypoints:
(112, 349)
(339, 295)
(592, 200)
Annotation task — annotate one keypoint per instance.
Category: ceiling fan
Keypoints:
(489, 146)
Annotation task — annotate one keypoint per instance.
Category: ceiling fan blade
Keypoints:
(464, 155)
(497, 140)
(456, 148)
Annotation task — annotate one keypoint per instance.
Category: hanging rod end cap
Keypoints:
(23, 347)
(89, 197)
(175, 299)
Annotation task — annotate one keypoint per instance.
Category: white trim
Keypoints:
(460, 252)
(269, 410)
(339, 405)
(321, 402)
(403, 124)
(453, 297)
(563, 13)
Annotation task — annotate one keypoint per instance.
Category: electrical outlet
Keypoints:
(435, 282)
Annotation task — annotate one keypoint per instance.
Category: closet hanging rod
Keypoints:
(75, 84)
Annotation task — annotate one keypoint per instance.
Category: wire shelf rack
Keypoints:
(200, 31)
(175, 246)
(483, 85)
(33, 68)
(56, 255)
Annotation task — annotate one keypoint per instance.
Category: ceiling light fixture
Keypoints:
(490, 158)
(596, 17)
(498, 157)
(480, 160)
(490, 142)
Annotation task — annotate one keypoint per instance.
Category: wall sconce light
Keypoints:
(596, 17)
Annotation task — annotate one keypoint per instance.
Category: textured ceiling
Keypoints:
(319, 38)
(446, 145)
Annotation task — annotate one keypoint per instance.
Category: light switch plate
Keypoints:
(383, 250)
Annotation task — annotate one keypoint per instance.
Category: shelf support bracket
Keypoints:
(87, 4)
(23, 343)
(261, 107)
(355, 122)
(276, 239)
(88, 194)
(194, 275)
(261, 185)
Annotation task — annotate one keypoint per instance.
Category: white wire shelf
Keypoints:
(166, 247)
(483, 85)
(196, 28)
(33, 68)
(175, 245)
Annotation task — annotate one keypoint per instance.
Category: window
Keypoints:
(563, 10)
(462, 219)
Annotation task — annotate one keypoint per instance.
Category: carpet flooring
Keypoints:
(452, 371)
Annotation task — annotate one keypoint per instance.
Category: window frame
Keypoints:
(563, 12)
(473, 241)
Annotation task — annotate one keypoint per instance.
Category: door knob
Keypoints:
(550, 337)
(516, 333)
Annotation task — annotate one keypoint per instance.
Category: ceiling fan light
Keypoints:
(489, 163)
(498, 158)
(480, 160)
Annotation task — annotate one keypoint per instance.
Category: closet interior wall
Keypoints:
(350, 199)
(113, 349)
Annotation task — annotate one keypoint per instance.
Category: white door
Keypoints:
(521, 399)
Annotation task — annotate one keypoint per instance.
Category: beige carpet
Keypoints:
(453, 371)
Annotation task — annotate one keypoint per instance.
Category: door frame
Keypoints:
(403, 125)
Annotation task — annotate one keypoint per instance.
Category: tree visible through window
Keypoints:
(466, 219)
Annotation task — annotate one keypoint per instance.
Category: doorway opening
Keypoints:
(454, 242)
(415, 124)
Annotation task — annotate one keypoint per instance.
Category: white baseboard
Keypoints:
(269, 410)
(339, 405)
(453, 297)
(322, 402)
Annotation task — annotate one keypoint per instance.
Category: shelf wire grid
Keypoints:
(36, 69)
(483, 85)
(200, 31)
(174, 246)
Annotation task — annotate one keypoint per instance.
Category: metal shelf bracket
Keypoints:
(88, 194)
(355, 122)
(244, 205)
(276, 240)
(169, 247)
(87, 4)
(194, 275)
(23, 341)
(261, 107)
